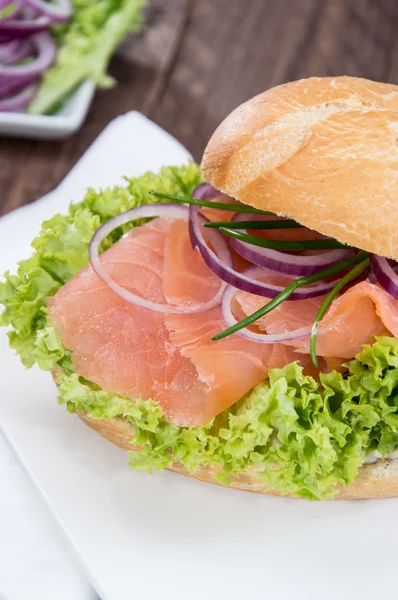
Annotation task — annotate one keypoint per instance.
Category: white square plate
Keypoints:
(168, 536)
(52, 127)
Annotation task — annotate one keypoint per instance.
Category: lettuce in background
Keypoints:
(86, 44)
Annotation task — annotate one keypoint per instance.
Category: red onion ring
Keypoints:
(290, 264)
(45, 47)
(242, 281)
(58, 12)
(225, 253)
(262, 338)
(385, 274)
(142, 212)
(20, 100)
(205, 191)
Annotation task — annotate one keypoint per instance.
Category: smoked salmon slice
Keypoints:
(135, 352)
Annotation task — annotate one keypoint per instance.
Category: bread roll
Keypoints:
(323, 151)
(375, 480)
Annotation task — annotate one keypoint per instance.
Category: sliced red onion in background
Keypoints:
(19, 100)
(10, 88)
(15, 51)
(13, 14)
(262, 338)
(385, 274)
(8, 50)
(18, 28)
(282, 262)
(205, 191)
(142, 212)
(58, 12)
(246, 281)
(26, 50)
(29, 19)
(45, 49)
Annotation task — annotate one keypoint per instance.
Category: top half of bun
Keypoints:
(323, 151)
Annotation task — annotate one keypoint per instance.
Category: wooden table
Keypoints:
(196, 60)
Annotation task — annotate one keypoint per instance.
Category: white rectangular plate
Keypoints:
(66, 121)
(30, 543)
(168, 536)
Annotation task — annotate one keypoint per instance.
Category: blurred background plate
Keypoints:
(60, 125)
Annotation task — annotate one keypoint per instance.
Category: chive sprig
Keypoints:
(285, 245)
(280, 224)
(348, 277)
(210, 204)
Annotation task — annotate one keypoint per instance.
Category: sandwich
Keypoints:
(237, 322)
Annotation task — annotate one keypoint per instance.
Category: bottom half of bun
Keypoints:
(375, 480)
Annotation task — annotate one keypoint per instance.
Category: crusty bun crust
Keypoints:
(323, 151)
(375, 480)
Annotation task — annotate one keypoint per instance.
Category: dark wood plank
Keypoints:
(233, 50)
(29, 169)
(196, 60)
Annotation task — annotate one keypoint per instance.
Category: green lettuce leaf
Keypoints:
(302, 437)
(86, 44)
